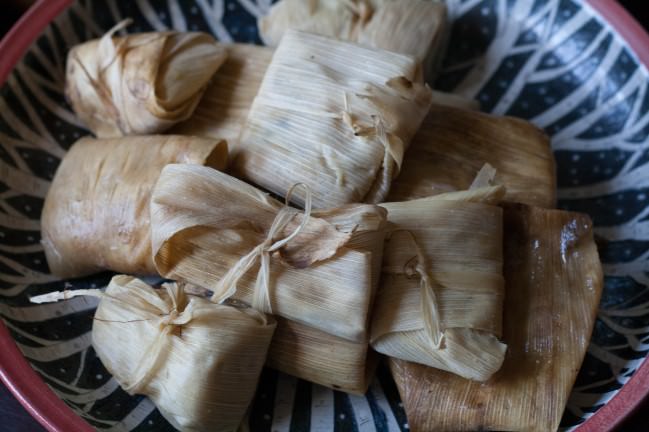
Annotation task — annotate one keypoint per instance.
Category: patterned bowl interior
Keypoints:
(555, 62)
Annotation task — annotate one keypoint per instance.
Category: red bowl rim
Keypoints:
(53, 414)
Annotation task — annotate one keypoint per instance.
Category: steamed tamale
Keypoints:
(96, 213)
(142, 83)
(413, 27)
(224, 107)
(334, 116)
(441, 294)
(453, 144)
(219, 233)
(319, 357)
(199, 362)
(553, 284)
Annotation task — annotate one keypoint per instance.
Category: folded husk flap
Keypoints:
(441, 292)
(414, 27)
(142, 83)
(96, 213)
(452, 144)
(224, 107)
(553, 282)
(205, 224)
(332, 111)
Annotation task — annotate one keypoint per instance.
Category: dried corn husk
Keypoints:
(142, 83)
(96, 214)
(414, 27)
(441, 294)
(554, 283)
(220, 235)
(453, 144)
(319, 357)
(224, 107)
(198, 361)
(334, 116)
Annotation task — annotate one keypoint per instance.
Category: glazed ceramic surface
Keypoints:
(554, 62)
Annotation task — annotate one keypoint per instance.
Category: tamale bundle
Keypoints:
(96, 214)
(142, 83)
(414, 27)
(441, 294)
(321, 358)
(334, 116)
(553, 283)
(453, 144)
(198, 361)
(224, 107)
(219, 233)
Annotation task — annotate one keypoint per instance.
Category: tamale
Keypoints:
(334, 116)
(224, 107)
(453, 144)
(142, 83)
(441, 294)
(553, 284)
(96, 213)
(414, 27)
(217, 232)
(321, 358)
(199, 362)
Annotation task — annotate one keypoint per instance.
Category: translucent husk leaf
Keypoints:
(199, 362)
(321, 358)
(96, 214)
(142, 83)
(224, 107)
(203, 222)
(335, 112)
(414, 27)
(554, 282)
(453, 144)
(441, 293)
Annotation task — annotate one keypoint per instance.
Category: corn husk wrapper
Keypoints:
(453, 144)
(198, 361)
(554, 283)
(414, 27)
(140, 84)
(96, 214)
(205, 224)
(321, 358)
(224, 107)
(441, 295)
(335, 112)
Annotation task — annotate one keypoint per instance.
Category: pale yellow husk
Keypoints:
(199, 362)
(554, 282)
(142, 83)
(96, 213)
(441, 293)
(224, 107)
(334, 116)
(205, 223)
(414, 27)
(321, 358)
(454, 143)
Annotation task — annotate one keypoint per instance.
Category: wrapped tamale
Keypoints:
(142, 83)
(452, 144)
(224, 107)
(332, 115)
(96, 213)
(321, 358)
(199, 362)
(553, 283)
(414, 27)
(441, 294)
(219, 233)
